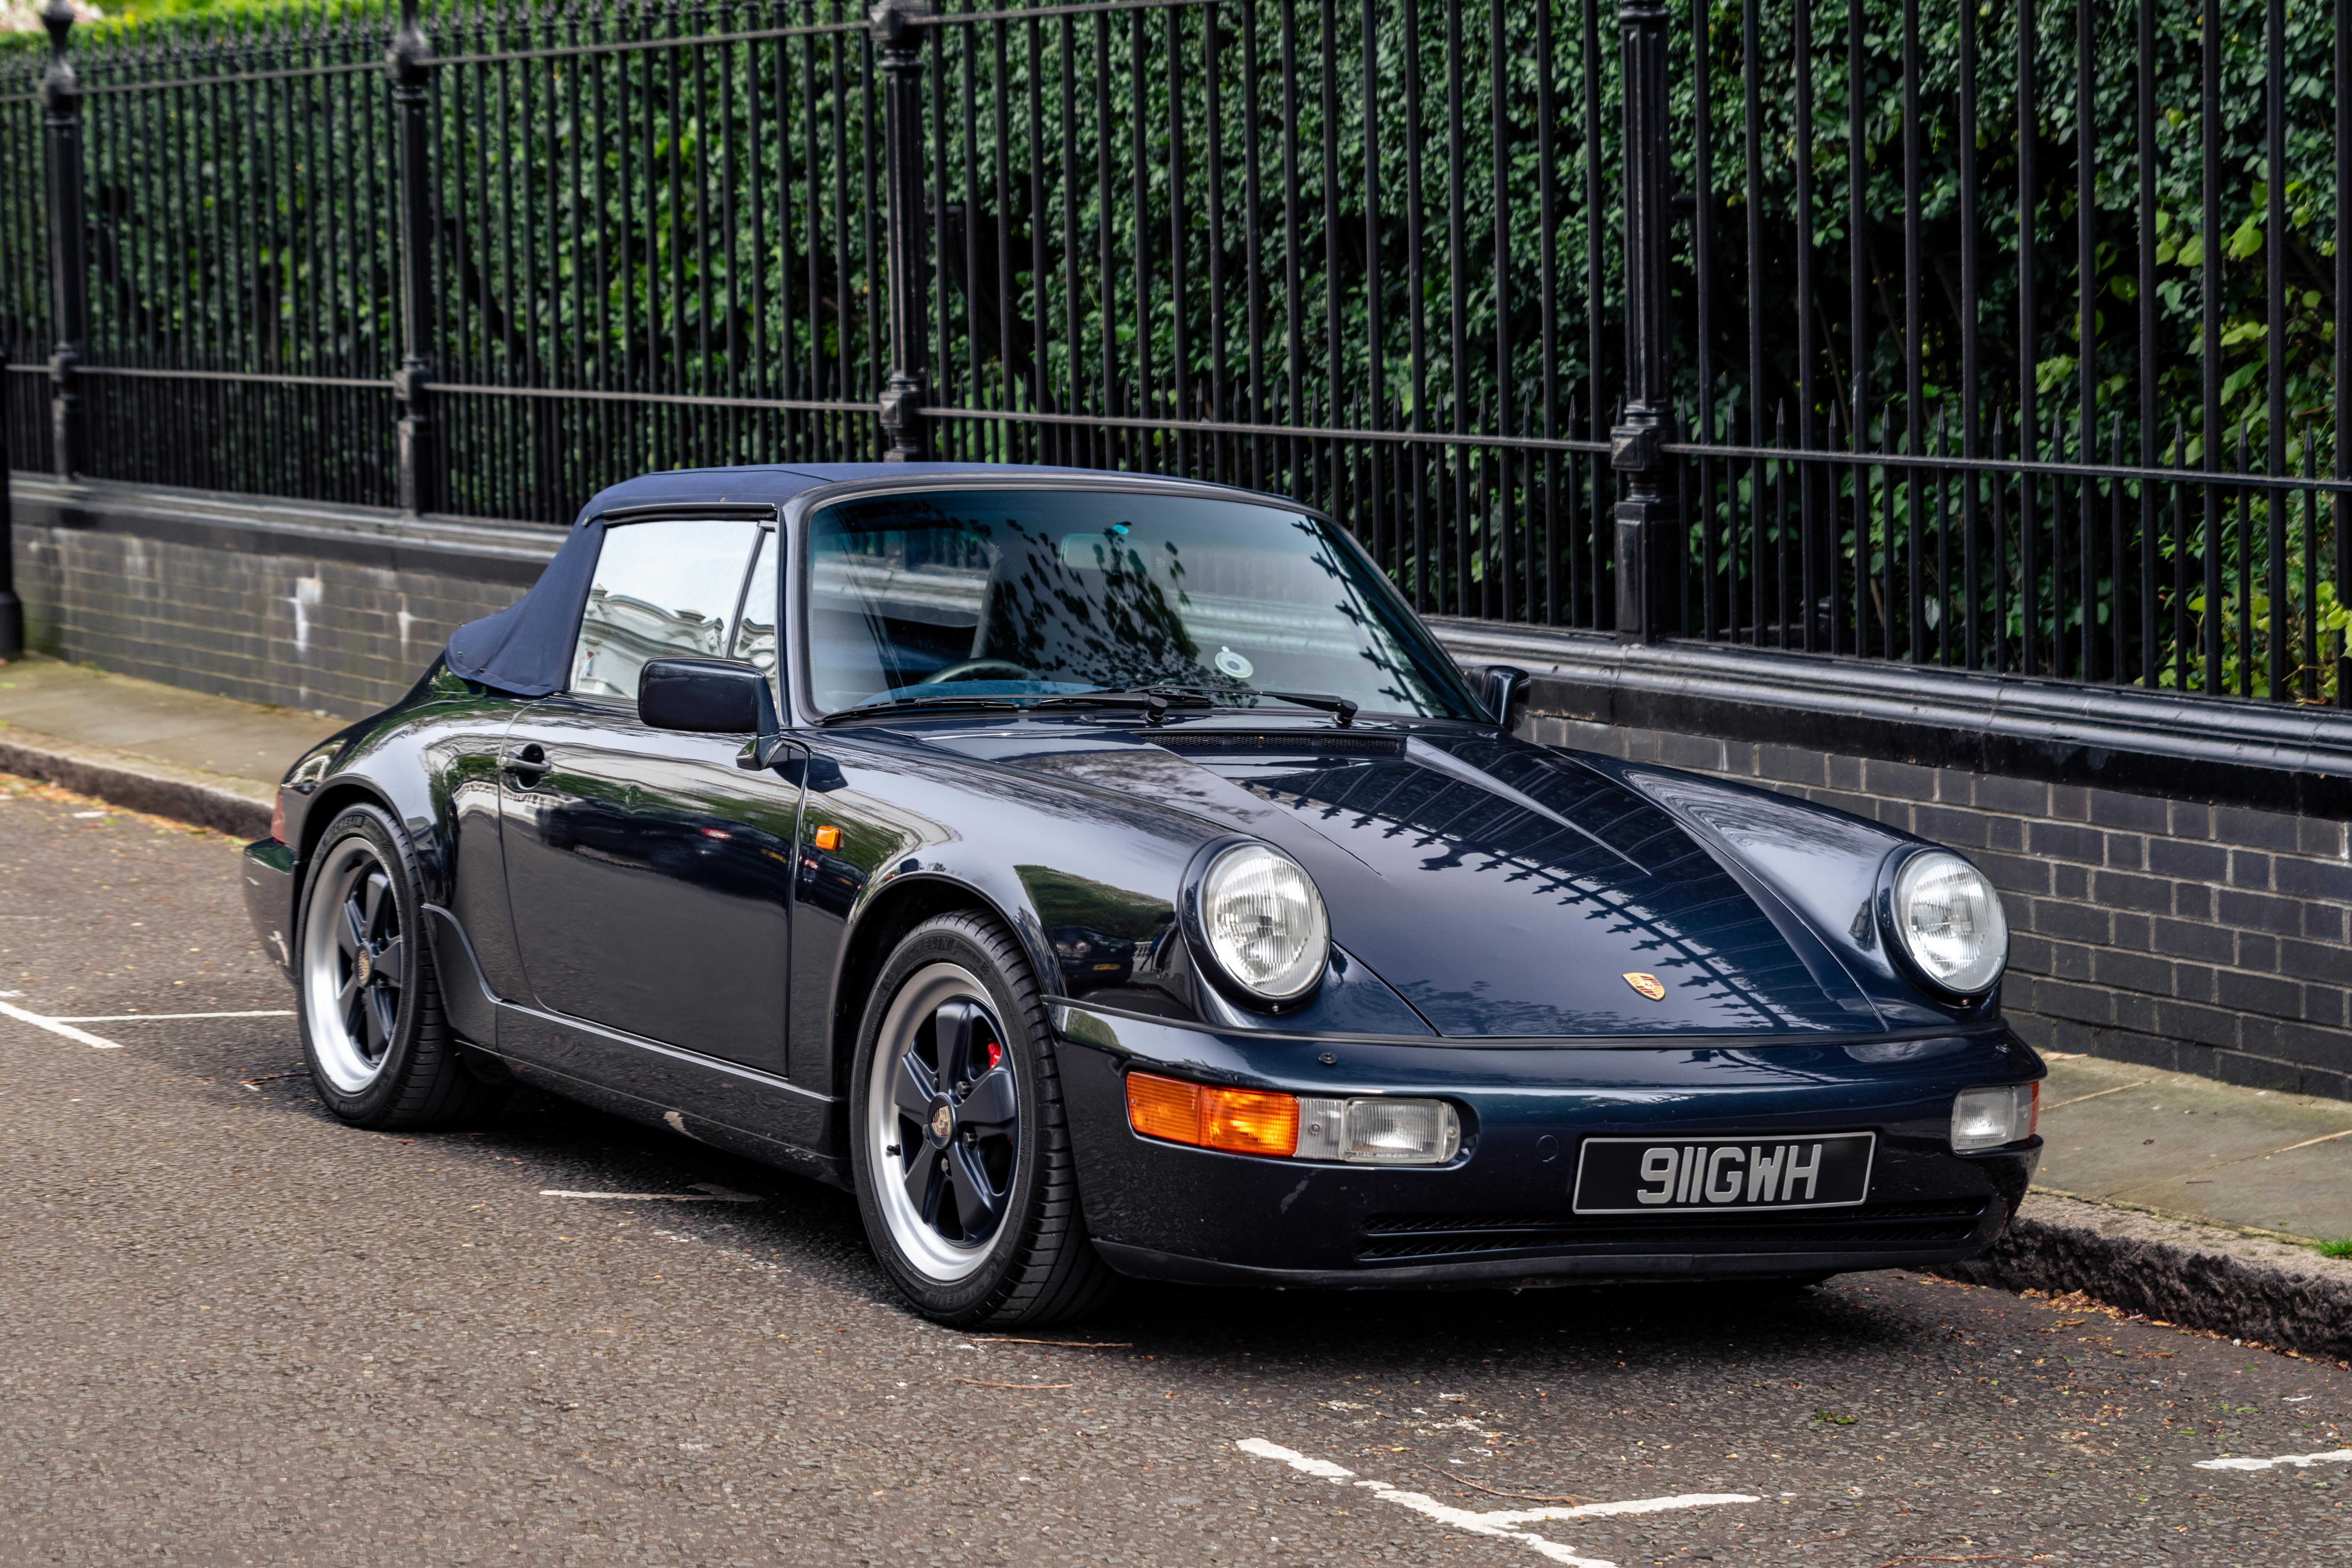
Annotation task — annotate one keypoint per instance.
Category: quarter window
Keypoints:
(662, 590)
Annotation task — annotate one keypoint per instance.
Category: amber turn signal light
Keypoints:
(827, 838)
(1239, 1120)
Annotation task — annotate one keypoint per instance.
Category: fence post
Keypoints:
(899, 35)
(69, 269)
(12, 609)
(1645, 517)
(409, 63)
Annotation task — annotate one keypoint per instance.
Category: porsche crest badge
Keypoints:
(1647, 984)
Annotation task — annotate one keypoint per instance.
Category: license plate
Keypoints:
(1106, 966)
(1712, 1175)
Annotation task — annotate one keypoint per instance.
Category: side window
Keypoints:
(755, 639)
(662, 590)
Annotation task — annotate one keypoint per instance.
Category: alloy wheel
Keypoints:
(354, 963)
(944, 1121)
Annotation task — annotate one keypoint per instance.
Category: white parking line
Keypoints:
(1500, 1524)
(2300, 1461)
(57, 1027)
(144, 1018)
(65, 1026)
(704, 1192)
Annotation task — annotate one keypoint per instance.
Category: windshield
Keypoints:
(1009, 594)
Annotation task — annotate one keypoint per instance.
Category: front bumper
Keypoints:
(1501, 1212)
(268, 868)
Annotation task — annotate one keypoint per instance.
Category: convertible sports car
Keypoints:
(1104, 875)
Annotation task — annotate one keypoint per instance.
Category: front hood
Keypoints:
(1500, 887)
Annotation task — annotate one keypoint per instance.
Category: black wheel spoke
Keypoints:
(355, 1015)
(977, 1201)
(350, 932)
(382, 1010)
(991, 1108)
(956, 1026)
(912, 1088)
(374, 914)
(351, 988)
(388, 962)
(926, 1183)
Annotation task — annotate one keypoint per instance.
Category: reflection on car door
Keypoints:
(650, 876)
(466, 745)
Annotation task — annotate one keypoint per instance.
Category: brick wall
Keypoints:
(2203, 939)
(302, 628)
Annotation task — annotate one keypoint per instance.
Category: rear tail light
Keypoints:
(1372, 1130)
(277, 817)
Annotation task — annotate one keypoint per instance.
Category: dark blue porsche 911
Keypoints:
(1104, 875)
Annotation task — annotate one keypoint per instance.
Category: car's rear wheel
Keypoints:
(960, 1150)
(379, 1048)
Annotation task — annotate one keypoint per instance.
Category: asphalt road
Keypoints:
(234, 1330)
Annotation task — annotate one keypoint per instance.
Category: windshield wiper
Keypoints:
(921, 704)
(1154, 700)
(1339, 708)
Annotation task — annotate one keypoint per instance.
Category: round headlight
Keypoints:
(1950, 922)
(1264, 922)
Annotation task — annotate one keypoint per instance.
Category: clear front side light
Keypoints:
(1951, 923)
(1989, 1118)
(1378, 1130)
(1264, 922)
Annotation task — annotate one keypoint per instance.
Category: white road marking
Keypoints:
(704, 1192)
(142, 1017)
(1500, 1524)
(2300, 1461)
(57, 1027)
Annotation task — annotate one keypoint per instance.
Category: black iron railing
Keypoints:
(2003, 338)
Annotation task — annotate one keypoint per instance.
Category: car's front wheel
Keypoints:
(960, 1150)
(379, 1048)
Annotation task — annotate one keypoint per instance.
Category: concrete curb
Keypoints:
(233, 806)
(2199, 1276)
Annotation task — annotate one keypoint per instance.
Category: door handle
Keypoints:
(529, 765)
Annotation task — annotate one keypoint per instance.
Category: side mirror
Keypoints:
(1507, 693)
(711, 696)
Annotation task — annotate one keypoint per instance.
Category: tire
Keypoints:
(958, 1141)
(373, 1034)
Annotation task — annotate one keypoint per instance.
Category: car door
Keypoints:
(651, 878)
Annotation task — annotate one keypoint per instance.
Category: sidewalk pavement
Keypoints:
(212, 761)
(2188, 1147)
(2191, 1200)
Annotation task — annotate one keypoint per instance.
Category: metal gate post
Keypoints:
(68, 265)
(1645, 517)
(12, 609)
(898, 33)
(408, 61)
